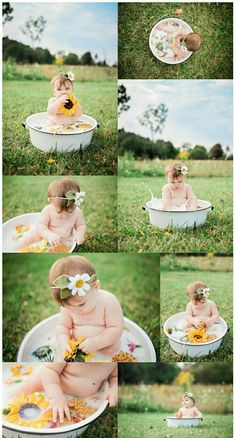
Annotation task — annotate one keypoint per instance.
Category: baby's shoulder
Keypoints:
(46, 209)
(166, 187)
(52, 100)
(107, 298)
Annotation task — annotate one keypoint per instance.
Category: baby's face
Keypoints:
(176, 183)
(200, 303)
(86, 303)
(187, 402)
(59, 89)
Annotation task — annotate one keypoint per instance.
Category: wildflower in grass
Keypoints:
(51, 161)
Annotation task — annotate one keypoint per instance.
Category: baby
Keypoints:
(177, 194)
(200, 311)
(76, 379)
(188, 409)
(63, 108)
(178, 36)
(62, 219)
(86, 310)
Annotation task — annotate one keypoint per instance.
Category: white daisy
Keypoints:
(71, 75)
(78, 284)
(79, 198)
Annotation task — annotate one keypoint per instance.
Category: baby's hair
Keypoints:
(193, 41)
(189, 395)
(191, 291)
(70, 265)
(172, 170)
(62, 78)
(59, 187)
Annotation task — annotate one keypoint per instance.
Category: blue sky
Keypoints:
(73, 27)
(200, 112)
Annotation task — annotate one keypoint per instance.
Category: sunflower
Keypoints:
(16, 412)
(198, 336)
(21, 370)
(69, 107)
(76, 355)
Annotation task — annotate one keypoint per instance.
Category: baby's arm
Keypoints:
(79, 110)
(192, 320)
(113, 331)
(166, 197)
(197, 413)
(112, 394)
(54, 105)
(179, 413)
(191, 198)
(214, 315)
(63, 329)
(43, 227)
(80, 227)
(51, 384)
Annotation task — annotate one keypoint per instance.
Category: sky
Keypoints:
(72, 27)
(199, 112)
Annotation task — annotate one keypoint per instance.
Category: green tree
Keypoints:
(34, 27)
(154, 119)
(86, 59)
(216, 152)
(7, 11)
(71, 59)
(198, 153)
(123, 99)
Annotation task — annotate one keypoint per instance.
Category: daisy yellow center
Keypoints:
(79, 283)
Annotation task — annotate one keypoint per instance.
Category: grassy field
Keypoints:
(206, 168)
(123, 274)
(23, 98)
(26, 194)
(213, 21)
(174, 299)
(153, 426)
(136, 234)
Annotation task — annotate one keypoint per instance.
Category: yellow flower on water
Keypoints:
(69, 108)
(74, 347)
(51, 161)
(44, 242)
(198, 336)
(18, 406)
(21, 370)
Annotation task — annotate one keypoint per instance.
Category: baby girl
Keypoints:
(200, 311)
(86, 310)
(62, 219)
(76, 379)
(188, 409)
(177, 194)
(63, 108)
(180, 40)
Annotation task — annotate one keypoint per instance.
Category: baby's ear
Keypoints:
(96, 285)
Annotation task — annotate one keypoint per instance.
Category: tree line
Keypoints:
(24, 54)
(142, 147)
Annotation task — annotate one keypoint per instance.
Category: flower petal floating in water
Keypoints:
(198, 336)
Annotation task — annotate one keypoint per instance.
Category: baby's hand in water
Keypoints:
(60, 408)
(53, 238)
(199, 324)
(88, 346)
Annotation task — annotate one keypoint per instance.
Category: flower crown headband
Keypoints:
(69, 75)
(181, 170)
(203, 292)
(79, 285)
(73, 197)
(189, 395)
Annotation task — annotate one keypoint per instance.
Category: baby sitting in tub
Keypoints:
(178, 41)
(86, 310)
(177, 195)
(188, 409)
(200, 312)
(63, 108)
(76, 379)
(60, 221)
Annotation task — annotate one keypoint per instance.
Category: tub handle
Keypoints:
(212, 207)
(144, 208)
(97, 126)
(24, 124)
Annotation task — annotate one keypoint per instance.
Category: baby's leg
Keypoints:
(32, 384)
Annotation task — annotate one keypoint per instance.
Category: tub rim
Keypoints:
(26, 124)
(188, 343)
(210, 206)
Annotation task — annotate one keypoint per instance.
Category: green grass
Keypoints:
(153, 426)
(26, 194)
(207, 168)
(213, 21)
(174, 300)
(27, 298)
(23, 98)
(136, 234)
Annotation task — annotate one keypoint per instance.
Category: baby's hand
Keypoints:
(60, 407)
(199, 324)
(62, 99)
(112, 396)
(88, 346)
(53, 238)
